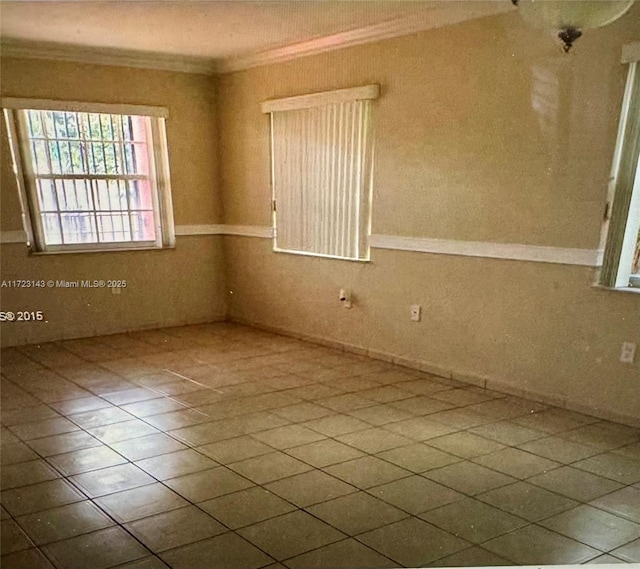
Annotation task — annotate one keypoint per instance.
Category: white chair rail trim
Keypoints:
(510, 251)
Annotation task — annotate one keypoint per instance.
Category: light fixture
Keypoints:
(570, 17)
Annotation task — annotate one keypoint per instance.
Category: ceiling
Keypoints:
(221, 31)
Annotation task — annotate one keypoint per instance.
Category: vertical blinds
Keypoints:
(322, 160)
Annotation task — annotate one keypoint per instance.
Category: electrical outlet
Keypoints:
(627, 352)
(415, 312)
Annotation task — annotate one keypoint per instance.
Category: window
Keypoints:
(321, 168)
(92, 176)
(621, 263)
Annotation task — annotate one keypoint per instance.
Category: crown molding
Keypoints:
(454, 13)
(101, 56)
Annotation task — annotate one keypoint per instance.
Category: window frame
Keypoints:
(15, 111)
(622, 220)
(366, 93)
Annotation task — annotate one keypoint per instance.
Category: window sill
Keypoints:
(627, 289)
(320, 256)
(113, 250)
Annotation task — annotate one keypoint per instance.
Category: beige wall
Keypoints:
(165, 287)
(485, 131)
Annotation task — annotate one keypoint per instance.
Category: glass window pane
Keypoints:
(94, 126)
(127, 132)
(140, 196)
(139, 127)
(114, 159)
(116, 126)
(54, 153)
(47, 120)
(101, 194)
(134, 195)
(35, 124)
(76, 156)
(97, 158)
(61, 195)
(114, 227)
(83, 126)
(51, 227)
(110, 159)
(138, 159)
(90, 159)
(65, 147)
(72, 125)
(60, 124)
(46, 195)
(65, 158)
(74, 195)
(110, 195)
(78, 227)
(105, 123)
(143, 226)
(83, 194)
(130, 164)
(40, 159)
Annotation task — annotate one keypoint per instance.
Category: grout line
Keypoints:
(284, 451)
(192, 381)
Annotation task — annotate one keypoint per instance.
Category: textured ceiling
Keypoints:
(203, 29)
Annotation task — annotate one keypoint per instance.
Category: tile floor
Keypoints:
(223, 446)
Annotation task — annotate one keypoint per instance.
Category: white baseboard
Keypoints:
(478, 381)
(112, 330)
